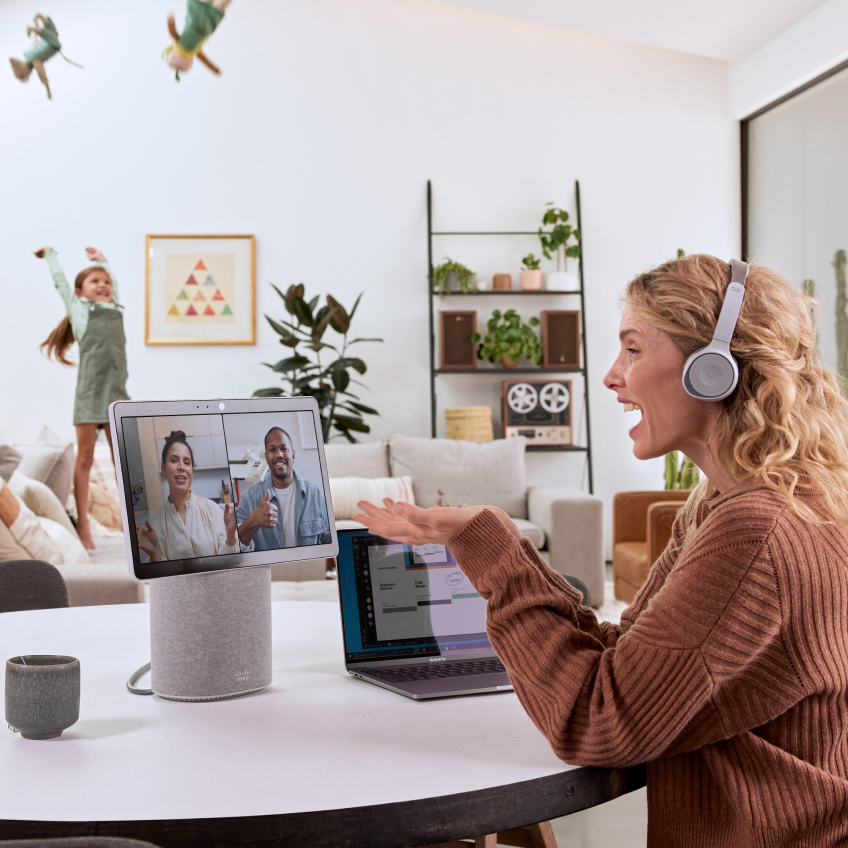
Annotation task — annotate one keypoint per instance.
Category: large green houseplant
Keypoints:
(305, 375)
(508, 339)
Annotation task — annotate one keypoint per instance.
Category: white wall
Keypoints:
(799, 54)
(319, 138)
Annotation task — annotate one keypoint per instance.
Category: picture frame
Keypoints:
(200, 290)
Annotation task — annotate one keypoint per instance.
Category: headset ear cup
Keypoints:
(710, 373)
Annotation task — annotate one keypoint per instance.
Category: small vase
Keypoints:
(501, 282)
(531, 280)
(507, 364)
(563, 281)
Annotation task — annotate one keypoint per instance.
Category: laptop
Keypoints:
(412, 622)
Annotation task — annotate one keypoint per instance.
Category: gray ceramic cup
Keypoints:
(42, 694)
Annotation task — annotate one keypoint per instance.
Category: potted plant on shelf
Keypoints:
(453, 276)
(555, 242)
(508, 339)
(531, 276)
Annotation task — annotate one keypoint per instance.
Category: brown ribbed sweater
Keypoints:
(728, 674)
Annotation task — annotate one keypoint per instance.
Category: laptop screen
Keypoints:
(400, 601)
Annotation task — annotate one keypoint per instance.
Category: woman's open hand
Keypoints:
(41, 251)
(148, 541)
(413, 525)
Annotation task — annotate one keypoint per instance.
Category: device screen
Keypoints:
(399, 600)
(223, 484)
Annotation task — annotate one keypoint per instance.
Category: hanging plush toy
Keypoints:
(44, 47)
(202, 19)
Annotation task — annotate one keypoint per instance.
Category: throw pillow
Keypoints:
(69, 545)
(104, 508)
(40, 499)
(368, 460)
(466, 473)
(103, 469)
(21, 536)
(51, 461)
(9, 460)
(346, 491)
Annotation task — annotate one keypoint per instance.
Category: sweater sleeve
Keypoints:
(700, 663)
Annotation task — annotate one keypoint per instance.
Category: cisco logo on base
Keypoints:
(242, 676)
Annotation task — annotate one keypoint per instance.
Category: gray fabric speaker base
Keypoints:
(210, 634)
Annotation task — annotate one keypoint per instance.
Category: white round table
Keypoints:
(318, 758)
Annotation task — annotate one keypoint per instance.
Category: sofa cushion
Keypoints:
(630, 561)
(41, 499)
(347, 491)
(68, 543)
(532, 531)
(9, 461)
(360, 460)
(348, 524)
(51, 461)
(467, 473)
(21, 536)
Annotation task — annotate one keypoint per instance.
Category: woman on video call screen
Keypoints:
(208, 485)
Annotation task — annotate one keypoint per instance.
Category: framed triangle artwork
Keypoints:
(200, 290)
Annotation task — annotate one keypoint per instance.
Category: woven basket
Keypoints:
(471, 423)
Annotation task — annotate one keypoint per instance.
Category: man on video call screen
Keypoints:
(284, 510)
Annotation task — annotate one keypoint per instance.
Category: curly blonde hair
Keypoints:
(787, 418)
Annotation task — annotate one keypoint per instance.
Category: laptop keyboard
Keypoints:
(469, 668)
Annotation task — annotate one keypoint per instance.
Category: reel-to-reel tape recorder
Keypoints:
(540, 410)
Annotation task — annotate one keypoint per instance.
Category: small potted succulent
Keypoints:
(555, 241)
(453, 276)
(508, 339)
(531, 276)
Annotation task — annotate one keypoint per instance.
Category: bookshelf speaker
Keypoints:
(456, 350)
(561, 338)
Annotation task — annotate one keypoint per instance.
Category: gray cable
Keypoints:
(134, 678)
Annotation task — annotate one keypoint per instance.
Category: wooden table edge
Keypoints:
(394, 825)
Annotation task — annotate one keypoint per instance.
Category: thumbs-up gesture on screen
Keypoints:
(266, 513)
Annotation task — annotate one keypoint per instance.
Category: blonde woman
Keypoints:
(728, 674)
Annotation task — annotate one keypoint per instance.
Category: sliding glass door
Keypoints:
(795, 172)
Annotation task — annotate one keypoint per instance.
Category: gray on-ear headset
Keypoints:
(711, 373)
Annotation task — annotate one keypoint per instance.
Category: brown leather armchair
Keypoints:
(641, 528)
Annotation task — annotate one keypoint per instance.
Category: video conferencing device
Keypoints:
(212, 493)
(411, 620)
(711, 373)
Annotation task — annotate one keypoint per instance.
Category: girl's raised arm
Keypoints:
(98, 258)
(58, 275)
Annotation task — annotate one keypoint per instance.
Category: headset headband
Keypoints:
(732, 302)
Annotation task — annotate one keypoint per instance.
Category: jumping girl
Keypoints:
(95, 322)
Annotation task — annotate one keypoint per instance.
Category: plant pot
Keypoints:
(502, 282)
(531, 280)
(507, 364)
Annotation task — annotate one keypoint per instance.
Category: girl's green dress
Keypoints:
(99, 331)
(201, 21)
(48, 44)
